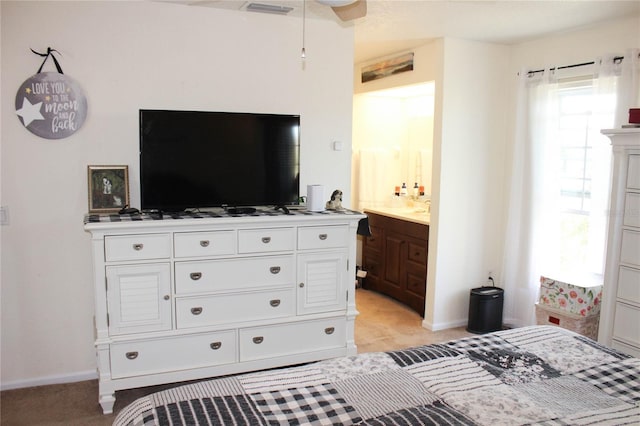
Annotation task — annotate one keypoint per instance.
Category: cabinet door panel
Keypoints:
(393, 259)
(139, 298)
(321, 282)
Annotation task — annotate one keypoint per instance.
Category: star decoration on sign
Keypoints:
(29, 112)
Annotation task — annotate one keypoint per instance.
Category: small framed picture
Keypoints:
(108, 188)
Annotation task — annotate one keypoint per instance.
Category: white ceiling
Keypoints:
(395, 25)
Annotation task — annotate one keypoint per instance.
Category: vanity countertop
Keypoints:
(403, 213)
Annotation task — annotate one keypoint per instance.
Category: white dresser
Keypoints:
(191, 297)
(620, 314)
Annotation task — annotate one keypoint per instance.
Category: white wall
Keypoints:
(468, 190)
(127, 56)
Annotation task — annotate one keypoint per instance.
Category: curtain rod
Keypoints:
(616, 60)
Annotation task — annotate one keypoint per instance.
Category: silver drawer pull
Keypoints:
(274, 269)
(131, 355)
(258, 340)
(167, 297)
(301, 285)
(322, 236)
(275, 302)
(195, 275)
(266, 240)
(204, 243)
(138, 246)
(196, 311)
(216, 345)
(329, 330)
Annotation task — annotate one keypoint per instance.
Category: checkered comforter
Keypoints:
(533, 375)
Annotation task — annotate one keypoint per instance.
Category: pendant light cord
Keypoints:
(304, 18)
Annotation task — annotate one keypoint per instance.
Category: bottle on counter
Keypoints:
(416, 190)
(397, 191)
(421, 191)
(403, 190)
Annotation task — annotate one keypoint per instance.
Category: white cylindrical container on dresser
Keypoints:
(620, 313)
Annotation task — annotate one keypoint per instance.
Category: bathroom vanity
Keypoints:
(395, 255)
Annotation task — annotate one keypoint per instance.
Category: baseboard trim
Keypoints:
(50, 380)
(443, 326)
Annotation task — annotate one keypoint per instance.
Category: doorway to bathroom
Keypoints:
(392, 143)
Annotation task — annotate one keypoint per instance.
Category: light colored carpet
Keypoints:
(383, 325)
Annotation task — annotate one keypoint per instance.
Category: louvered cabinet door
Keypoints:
(139, 298)
(322, 282)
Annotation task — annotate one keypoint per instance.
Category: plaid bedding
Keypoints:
(538, 375)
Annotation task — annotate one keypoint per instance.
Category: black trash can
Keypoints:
(485, 310)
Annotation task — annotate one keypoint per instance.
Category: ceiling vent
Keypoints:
(268, 8)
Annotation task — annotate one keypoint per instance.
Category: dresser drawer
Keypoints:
(320, 237)
(632, 209)
(137, 247)
(629, 285)
(293, 338)
(266, 240)
(233, 274)
(374, 242)
(174, 353)
(627, 323)
(199, 244)
(236, 307)
(630, 249)
(626, 348)
(633, 175)
(417, 252)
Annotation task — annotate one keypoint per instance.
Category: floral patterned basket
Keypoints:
(568, 298)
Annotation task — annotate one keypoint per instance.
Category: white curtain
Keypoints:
(531, 245)
(528, 235)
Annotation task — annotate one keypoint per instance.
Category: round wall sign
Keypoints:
(51, 105)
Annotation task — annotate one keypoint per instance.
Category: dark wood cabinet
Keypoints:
(395, 258)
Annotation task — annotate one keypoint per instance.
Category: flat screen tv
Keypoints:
(199, 159)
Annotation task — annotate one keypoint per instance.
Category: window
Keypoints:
(584, 174)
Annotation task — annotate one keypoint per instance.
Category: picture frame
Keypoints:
(387, 67)
(108, 188)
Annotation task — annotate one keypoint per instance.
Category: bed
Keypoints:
(541, 375)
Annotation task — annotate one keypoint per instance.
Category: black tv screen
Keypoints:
(199, 159)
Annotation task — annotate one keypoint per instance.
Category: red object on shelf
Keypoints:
(634, 115)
